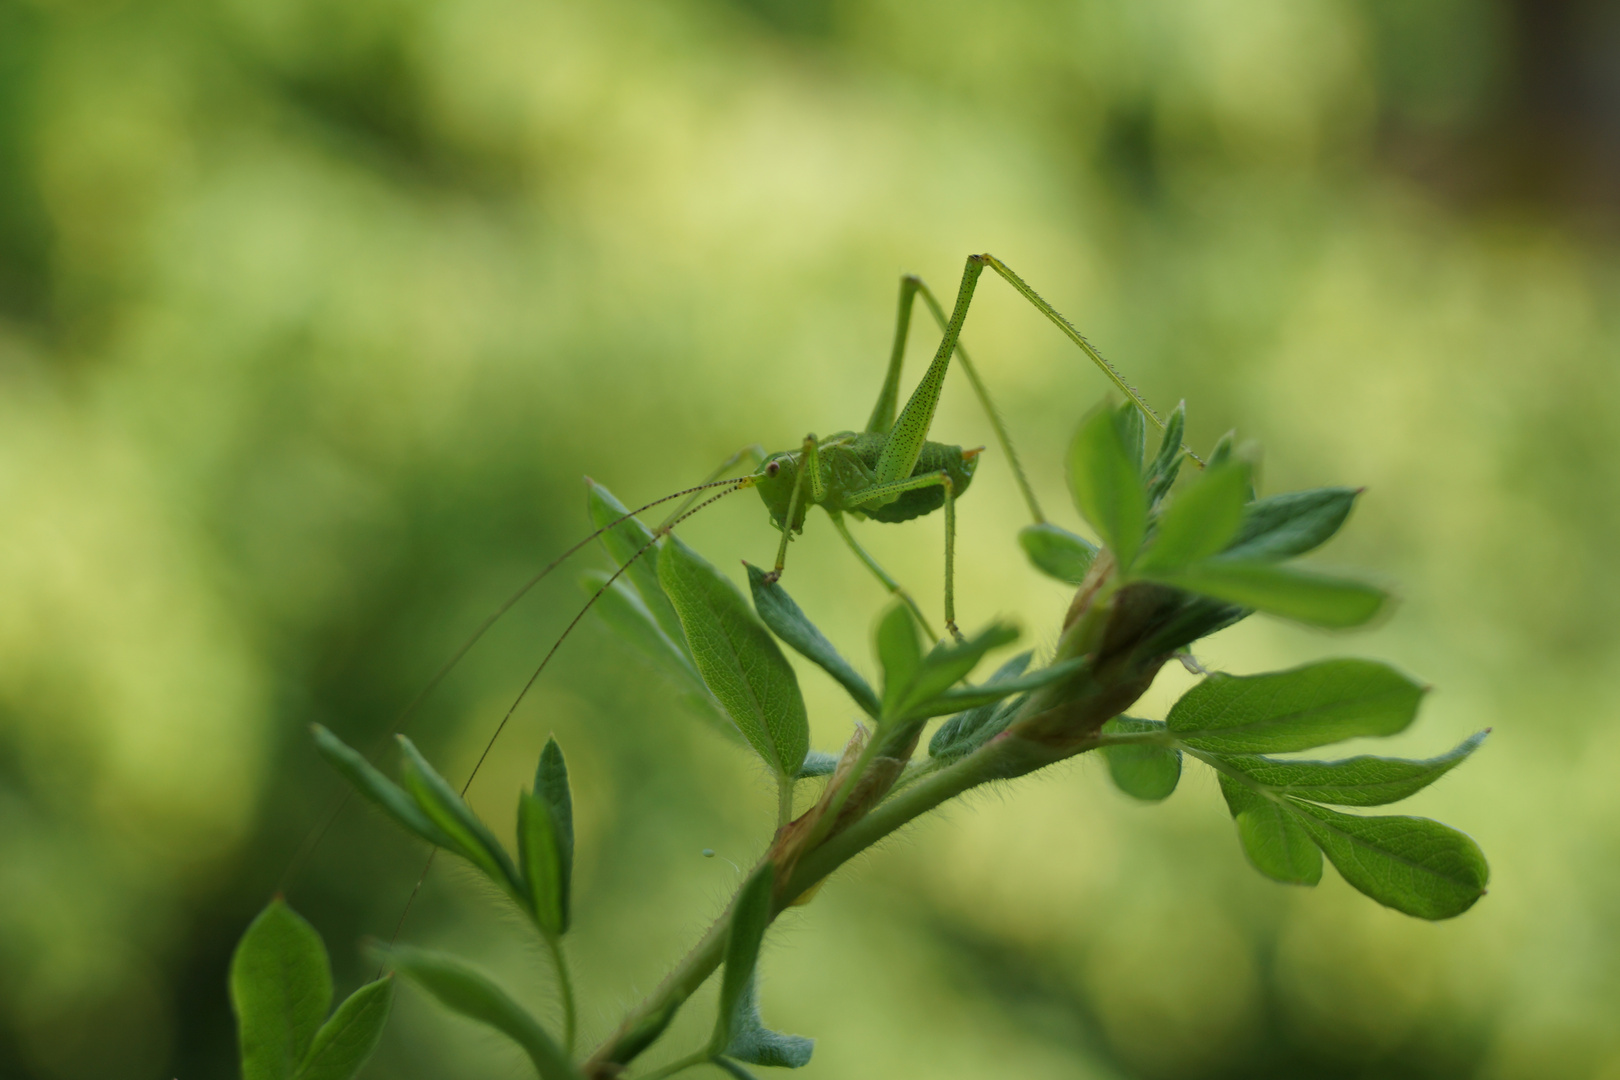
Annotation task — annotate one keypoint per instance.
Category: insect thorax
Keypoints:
(849, 466)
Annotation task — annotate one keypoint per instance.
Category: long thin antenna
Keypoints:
(664, 530)
(312, 839)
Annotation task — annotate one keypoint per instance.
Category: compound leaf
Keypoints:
(1277, 845)
(350, 1037)
(737, 657)
(1357, 781)
(1057, 553)
(1141, 770)
(1313, 705)
(1105, 479)
(948, 663)
(1412, 864)
(1282, 526)
(281, 987)
(1290, 592)
(788, 622)
(461, 989)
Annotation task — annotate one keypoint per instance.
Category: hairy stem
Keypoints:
(565, 990)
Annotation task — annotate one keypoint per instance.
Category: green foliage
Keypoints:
(630, 544)
(281, 987)
(1299, 709)
(1105, 478)
(1357, 781)
(1277, 845)
(1141, 770)
(1056, 552)
(778, 611)
(967, 731)
(1201, 520)
(1282, 526)
(470, 838)
(737, 658)
(463, 990)
(1301, 595)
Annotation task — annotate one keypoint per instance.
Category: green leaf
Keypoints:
(1302, 595)
(551, 784)
(461, 989)
(472, 839)
(1132, 432)
(1412, 864)
(899, 651)
(753, 1042)
(1057, 553)
(387, 795)
(1305, 707)
(789, 623)
(1275, 842)
(622, 542)
(750, 915)
(738, 658)
(541, 862)
(1141, 770)
(1106, 482)
(817, 763)
(281, 987)
(966, 731)
(1222, 451)
(1357, 781)
(945, 665)
(345, 1041)
(1201, 520)
(1281, 526)
(1167, 464)
(972, 697)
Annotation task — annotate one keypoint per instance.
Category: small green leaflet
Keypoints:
(461, 989)
(386, 794)
(788, 622)
(1305, 707)
(1301, 595)
(1057, 553)
(281, 985)
(1201, 519)
(623, 542)
(1282, 526)
(350, 1037)
(737, 657)
(1141, 770)
(1357, 781)
(473, 840)
(738, 1031)
(1105, 479)
(1277, 845)
(753, 1042)
(1411, 864)
(899, 652)
(945, 665)
(546, 841)
(1167, 464)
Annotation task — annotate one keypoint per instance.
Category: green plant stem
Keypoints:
(784, 800)
(1000, 759)
(565, 989)
(696, 1057)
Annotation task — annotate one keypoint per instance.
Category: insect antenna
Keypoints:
(312, 839)
(663, 530)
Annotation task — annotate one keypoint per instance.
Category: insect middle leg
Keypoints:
(882, 493)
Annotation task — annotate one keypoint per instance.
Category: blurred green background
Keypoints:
(313, 315)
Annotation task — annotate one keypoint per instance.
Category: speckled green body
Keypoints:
(849, 467)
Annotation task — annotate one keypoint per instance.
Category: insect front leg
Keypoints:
(882, 493)
(809, 477)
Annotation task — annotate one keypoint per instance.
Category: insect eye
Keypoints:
(773, 468)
